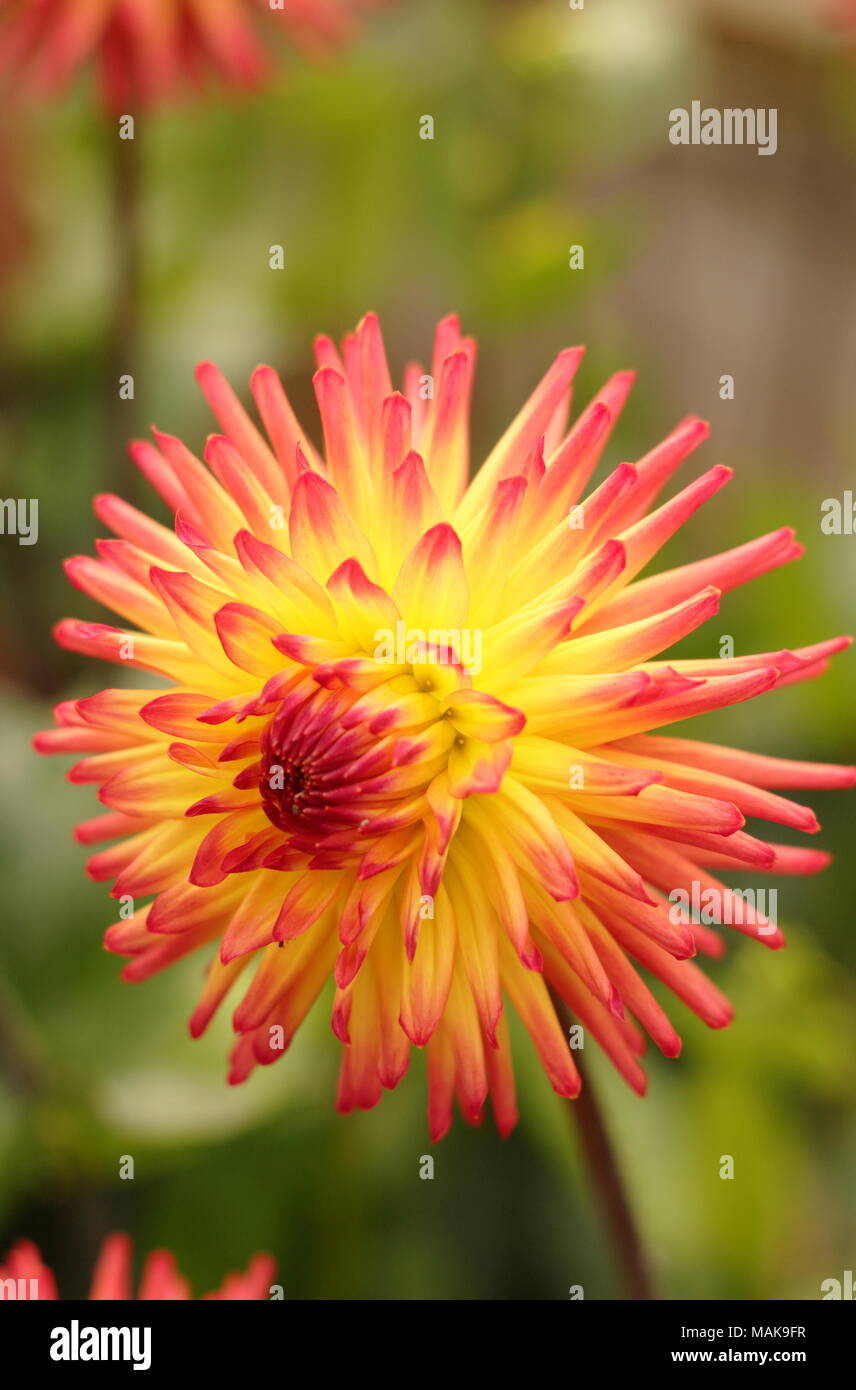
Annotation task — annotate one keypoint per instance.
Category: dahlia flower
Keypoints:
(146, 49)
(160, 1279)
(411, 735)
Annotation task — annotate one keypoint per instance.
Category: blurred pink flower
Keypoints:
(147, 50)
(111, 1279)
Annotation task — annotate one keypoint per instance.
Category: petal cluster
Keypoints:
(410, 747)
(146, 50)
(25, 1277)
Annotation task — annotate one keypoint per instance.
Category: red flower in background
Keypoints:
(147, 50)
(160, 1280)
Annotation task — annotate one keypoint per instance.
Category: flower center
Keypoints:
(287, 784)
(331, 778)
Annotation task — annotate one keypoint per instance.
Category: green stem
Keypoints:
(605, 1174)
(123, 334)
(21, 1061)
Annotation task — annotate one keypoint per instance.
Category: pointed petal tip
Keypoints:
(694, 427)
(326, 374)
(262, 371)
(206, 371)
(616, 1006)
(721, 1017)
(438, 1129)
(774, 942)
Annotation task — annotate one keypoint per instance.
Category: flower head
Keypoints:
(25, 1277)
(147, 49)
(410, 740)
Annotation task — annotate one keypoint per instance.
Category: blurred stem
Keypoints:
(605, 1175)
(124, 322)
(21, 1061)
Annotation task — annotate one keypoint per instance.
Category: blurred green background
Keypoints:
(550, 130)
